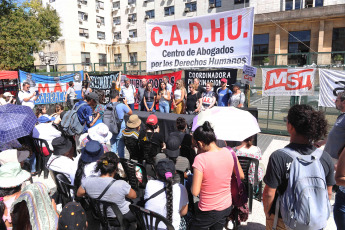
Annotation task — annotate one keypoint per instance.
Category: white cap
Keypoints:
(8, 94)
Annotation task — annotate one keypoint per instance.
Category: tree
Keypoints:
(24, 30)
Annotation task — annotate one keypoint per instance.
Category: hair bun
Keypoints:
(207, 126)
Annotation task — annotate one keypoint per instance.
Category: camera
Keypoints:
(121, 99)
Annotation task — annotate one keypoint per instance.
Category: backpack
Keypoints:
(304, 204)
(111, 119)
(70, 122)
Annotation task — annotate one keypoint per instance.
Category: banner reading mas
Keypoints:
(52, 89)
(216, 40)
(288, 82)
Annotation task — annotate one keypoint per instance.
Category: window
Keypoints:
(132, 17)
(100, 35)
(82, 2)
(116, 5)
(117, 35)
(149, 14)
(240, 1)
(170, 10)
(308, 3)
(133, 33)
(82, 16)
(99, 5)
(133, 58)
(85, 58)
(117, 59)
(102, 59)
(100, 20)
(338, 39)
(299, 42)
(261, 42)
(83, 32)
(216, 3)
(318, 3)
(131, 2)
(288, 4)
(298, 4)
(117, 21)
(191, 6)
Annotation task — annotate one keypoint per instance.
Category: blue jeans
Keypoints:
(118, 144)
(164, 107)
(149, 105)
(32, 162)
(131, 106)
(339, 210)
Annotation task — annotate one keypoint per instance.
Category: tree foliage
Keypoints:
(24, 30)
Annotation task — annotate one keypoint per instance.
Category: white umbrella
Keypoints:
(229, 123)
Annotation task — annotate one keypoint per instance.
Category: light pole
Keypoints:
(45, 59)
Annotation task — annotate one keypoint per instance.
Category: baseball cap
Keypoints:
(173, 146)
(224, 80)
(152, 120)
(8, 94)
(93, 96)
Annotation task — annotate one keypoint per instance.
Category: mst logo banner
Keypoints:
(52, 89)
(288, 82)
(217, 40)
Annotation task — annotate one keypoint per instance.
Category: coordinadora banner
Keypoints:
(222, 40)
(288, 82)
(330, 80)
(213, 76)
(103, 82)
(52, 89)
(155, 79)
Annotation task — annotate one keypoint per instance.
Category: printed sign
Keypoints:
(288, 82)
(103, 82)
(213, 76)
(330, 80)
(215, 40)
(248, 76)
(52, 89)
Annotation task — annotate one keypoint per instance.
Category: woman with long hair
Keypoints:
(179, 96)
(172, 202)
(86, 89)
(164, 98)
(149, 98)
(98, 110)
(107, 167)
(40, 110)
(212, 168)
(58, 110)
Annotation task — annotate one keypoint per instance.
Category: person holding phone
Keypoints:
(26, 97)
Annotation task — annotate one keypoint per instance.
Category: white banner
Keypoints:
(288, 82)
(217, 40)
(248, 76)
(328, 79)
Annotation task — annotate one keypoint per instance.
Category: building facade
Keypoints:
(110, 32)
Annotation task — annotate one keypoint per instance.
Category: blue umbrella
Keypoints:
(15, 121)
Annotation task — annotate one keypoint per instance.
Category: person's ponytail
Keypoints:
(205, 133)
(169, 195)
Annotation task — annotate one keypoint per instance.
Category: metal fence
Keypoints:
(271, 109)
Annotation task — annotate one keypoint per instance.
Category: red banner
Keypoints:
(8, 75)
(155, 80)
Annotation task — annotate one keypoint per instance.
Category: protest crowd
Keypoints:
(190, 179)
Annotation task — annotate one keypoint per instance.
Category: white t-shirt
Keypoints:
(25, 94)
(71, 93)
(128, 93)
(47, 132)
(177, 94)
(158, 204)
(3, 101)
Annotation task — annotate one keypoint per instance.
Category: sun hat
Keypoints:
(13, 155)
(100, 133)
(224, 80)
(93, 96)
(72, 217)
(165, 168)
(61, 145)
(173, 146)
(133, 121)
(12, 175)
(8, 94)
(92, 151)
(45, 119)
(152, 120)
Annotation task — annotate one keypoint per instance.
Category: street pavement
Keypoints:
(256, 221)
